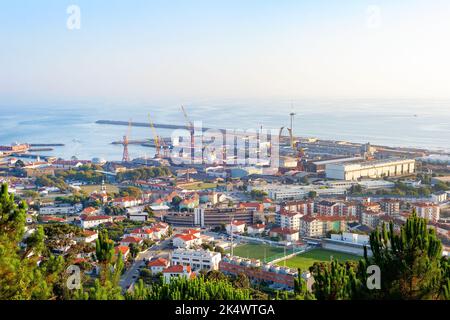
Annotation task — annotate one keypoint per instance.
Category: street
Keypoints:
(160, 250)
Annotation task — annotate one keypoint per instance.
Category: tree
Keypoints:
(312, 194)
(301, 289)
(176, 201)
(20, 276)
(410, 261)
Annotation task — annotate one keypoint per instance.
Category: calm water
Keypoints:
(395, 123)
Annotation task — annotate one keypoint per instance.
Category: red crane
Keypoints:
(125, 143)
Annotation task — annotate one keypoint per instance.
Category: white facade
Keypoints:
(290, 220)
(60, 209)
(428, 211)
(91, 222)
(197, 259)
(370, 169)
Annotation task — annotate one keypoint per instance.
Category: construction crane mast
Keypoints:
(125, 143)
(190, 126)
(156, 138)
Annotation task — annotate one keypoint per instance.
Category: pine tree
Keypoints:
(410, 261)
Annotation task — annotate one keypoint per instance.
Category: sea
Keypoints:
(397, 123)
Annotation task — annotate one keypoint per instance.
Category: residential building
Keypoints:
(256, 229)
(177, 271)
(196, 259)
(126, 241)
(289, 219)
(428, 211)
(235, 227)
(158, 265)
(390, 207)
(318, 226)
(93, 221)
(287, 234)
(186, 241)
(371, 218)
(125, 250)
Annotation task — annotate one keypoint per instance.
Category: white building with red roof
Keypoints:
(285, 233)
(125, 250)
(157, 265)
(235, 227)
(131, 240)
(256, 229)
(127, 202)
(177, 272)
(186, 241)
(93, 221)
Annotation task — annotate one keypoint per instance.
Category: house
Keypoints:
(125, 250)
(252, 206)
(176, 272)
(186, 241)
(88, 236)
(127, 202)
(256, 229)
(285, 233)
(137, 216)
(90, 211)
(93, 221)
(158, 265)
(131, 240)
(50, 219)
(235, 227)
(143, 233)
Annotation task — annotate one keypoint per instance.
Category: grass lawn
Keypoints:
(200, 186)
(306, 260)
(256, 251)
(91, 188)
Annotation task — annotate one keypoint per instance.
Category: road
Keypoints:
(160, 250)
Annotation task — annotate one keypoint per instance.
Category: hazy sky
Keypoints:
(146, 51)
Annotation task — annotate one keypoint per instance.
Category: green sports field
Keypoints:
(257, 251)
(306, 260)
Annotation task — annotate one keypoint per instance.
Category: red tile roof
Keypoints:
(176, 269)
(160, 262)
(131, 240)
(123, 249)
(93, 218)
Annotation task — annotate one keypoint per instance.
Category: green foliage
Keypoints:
(143, 173)
(199, 288)
(258, 194)
(131, 192)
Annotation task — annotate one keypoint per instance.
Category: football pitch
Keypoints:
(307, 259)
(258, 251)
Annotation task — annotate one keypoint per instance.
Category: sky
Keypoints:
(179, 50)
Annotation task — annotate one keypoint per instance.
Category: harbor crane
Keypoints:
(159, 142)
(125, 143)
(156, 138)
(190, 126)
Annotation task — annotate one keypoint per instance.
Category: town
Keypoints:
(240, 219)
